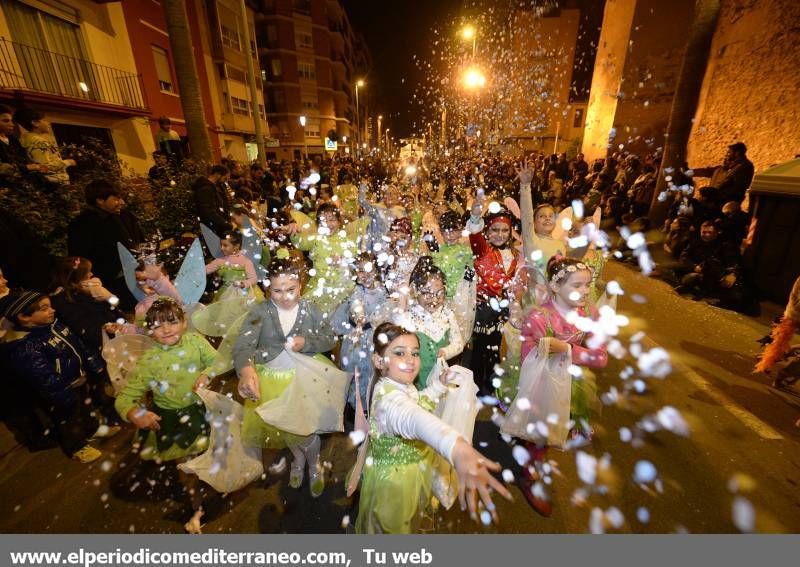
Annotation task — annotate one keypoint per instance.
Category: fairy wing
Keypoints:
(121, 354)
(513, 207)
(129, 264)
(212, 241)
(252, 247)
(191, 279)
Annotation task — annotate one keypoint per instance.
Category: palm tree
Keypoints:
(687, 93)
(180, 40)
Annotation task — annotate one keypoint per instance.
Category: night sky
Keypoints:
(395, 31)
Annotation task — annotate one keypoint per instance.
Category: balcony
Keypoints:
(37, 74)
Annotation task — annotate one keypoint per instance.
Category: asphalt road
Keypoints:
(737, 469)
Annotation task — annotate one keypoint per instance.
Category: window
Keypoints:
(312, 132)
(240, 106)
(272, 34)
(577, 122)
(229, 27)
(277, 68)
(306, 70)
(305, 40)
(310, 104)
(236, 74)
(263, 75)
(163, 69)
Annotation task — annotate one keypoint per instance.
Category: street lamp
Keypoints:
(359, 84)
(388, 143)
(469, 33)
(380, 119)
(305, 143)
(474, 78)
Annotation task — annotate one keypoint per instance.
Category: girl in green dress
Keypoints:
(175, 427)
(431, 319)
(403, 435)
(235, 268)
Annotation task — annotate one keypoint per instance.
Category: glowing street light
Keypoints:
(305, 142)
(469, 33)
(474, 79)
(359, 85)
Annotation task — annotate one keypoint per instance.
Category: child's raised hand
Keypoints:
(144, 419)
(248, 384)
(475, 479)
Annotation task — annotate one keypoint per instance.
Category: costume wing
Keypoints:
(121, 354)
(212, 241)
(513, 207)
(191, 279)
(252, 246)
(129, 264)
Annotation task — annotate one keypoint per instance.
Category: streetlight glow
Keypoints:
(474, 78)
(360, 83)
(468, 32)
(302, 121)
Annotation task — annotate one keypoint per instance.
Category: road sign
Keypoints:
(331, 145)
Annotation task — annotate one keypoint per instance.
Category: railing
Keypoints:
(24, 67)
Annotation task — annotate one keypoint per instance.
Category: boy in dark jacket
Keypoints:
(53, 361)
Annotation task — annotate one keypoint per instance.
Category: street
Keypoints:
(742, 448)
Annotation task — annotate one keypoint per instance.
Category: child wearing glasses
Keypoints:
(428, 316)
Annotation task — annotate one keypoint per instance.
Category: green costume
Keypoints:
(428, 351)
(396, 482)
(453, 260)
(170, 372)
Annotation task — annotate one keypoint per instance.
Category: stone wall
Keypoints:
(751, 86)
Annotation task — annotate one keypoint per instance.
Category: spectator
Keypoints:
(169, 141)
(579, 166)
(160, 174)
(13, 157)
(94, 234)
(243, 188)
(38, 141)
(53, 361)
(641, 194)
(730, 181)
(576, 188)
(678, 237)
(733, 224)
(713, 268)
(211, 199)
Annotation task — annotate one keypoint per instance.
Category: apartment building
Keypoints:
(310, 60)
(220, 59)
(72, 59)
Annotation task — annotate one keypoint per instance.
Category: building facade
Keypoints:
(310, 60)
(220, 52)
(72, 59)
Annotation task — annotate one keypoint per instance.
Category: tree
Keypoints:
(684, 102)
(180, 40)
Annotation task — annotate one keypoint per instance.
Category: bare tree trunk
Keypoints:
(687, 94)
(180, 40)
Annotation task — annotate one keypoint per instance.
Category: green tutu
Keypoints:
(395, 486)
(181, 433)
(255, 431)
(230, 275)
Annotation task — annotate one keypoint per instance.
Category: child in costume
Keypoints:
(454, 258)
(429, 317)
(548, 336)
(355, 320)
(780, 358)
(54, 362)
(331, 250)
(175, 427)
(285, 322)
(402, 257)
(403, 435)
(495, 265)
(381, 216)
(235, 268)
(154, 283)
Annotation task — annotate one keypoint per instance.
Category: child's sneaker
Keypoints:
(106, 431)
(87, 455)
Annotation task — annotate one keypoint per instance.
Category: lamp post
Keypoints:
(359, 84)
(388, 144)
(469, 33)
(305, 143)
(380, 119)
(474, 80)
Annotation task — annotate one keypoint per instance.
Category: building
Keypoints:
(539, 113)
(310, 59)
(217, 35)
(635, 73)
(72, 59)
